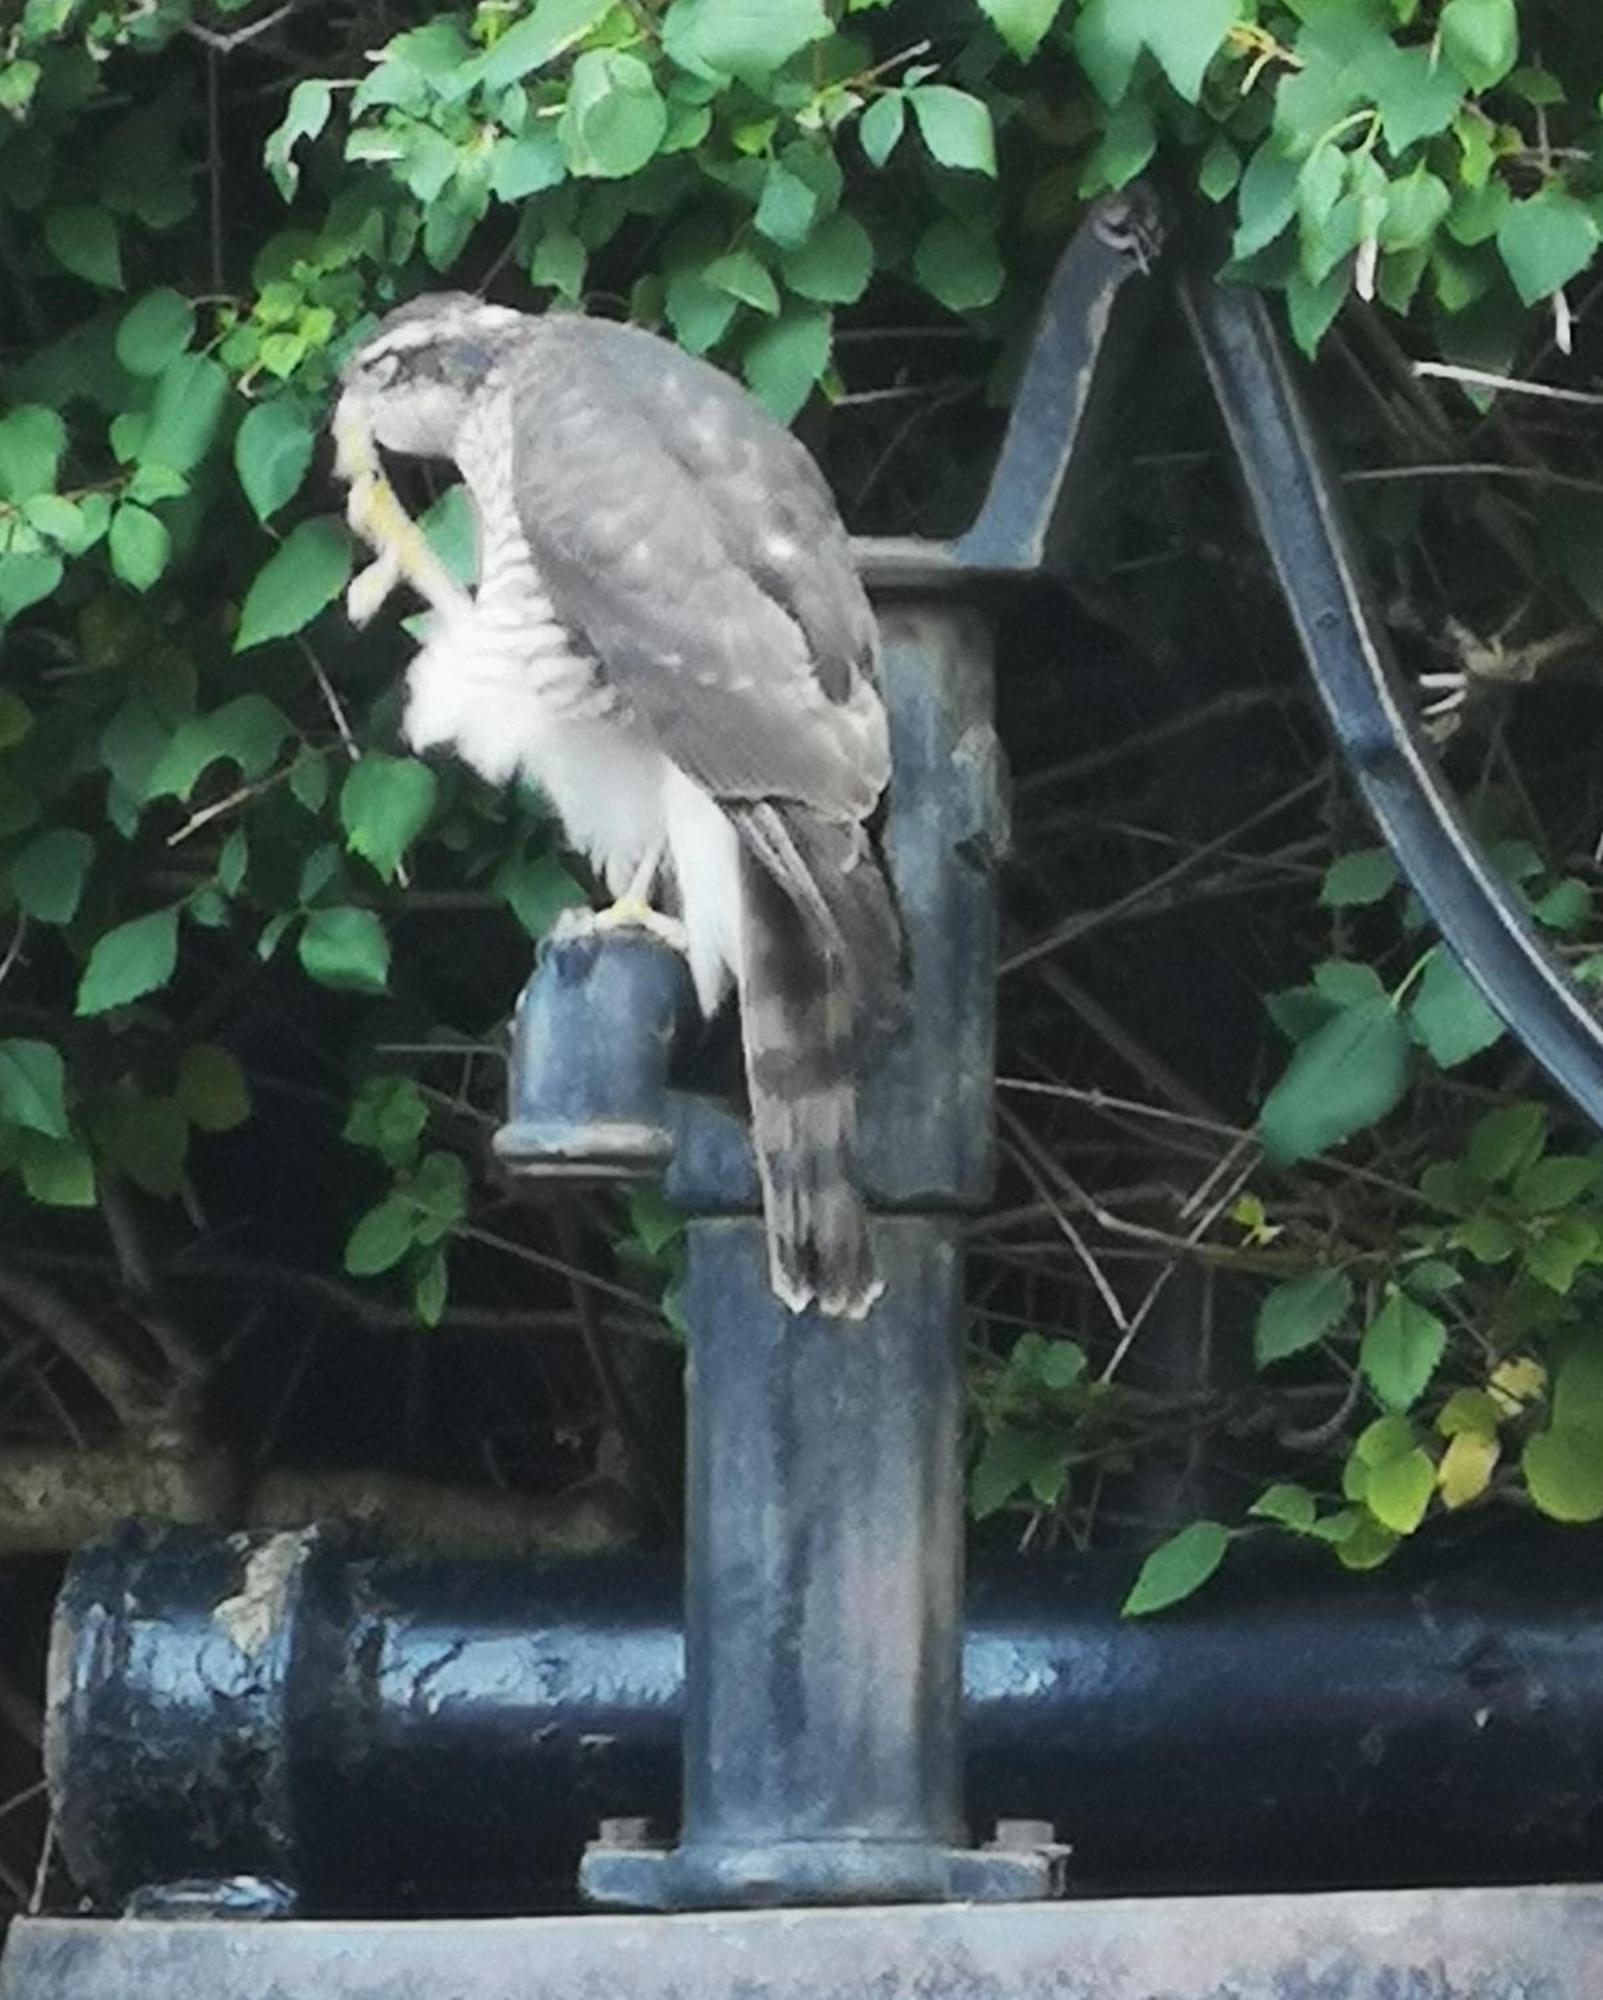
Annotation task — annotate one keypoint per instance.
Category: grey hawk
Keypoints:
(669, 637)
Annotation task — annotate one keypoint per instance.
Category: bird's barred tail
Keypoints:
(820, 969)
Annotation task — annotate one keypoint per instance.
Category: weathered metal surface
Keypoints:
(588, 1079)
(822, 1594)
(1465, 1944)
(437, 1735)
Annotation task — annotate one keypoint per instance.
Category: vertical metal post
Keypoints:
(824, 1513)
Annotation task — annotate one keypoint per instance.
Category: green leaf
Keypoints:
(527, 165)
(346, 948)
(1555, 1182)
(786, 359)
(958, 265)
(211, 1090)
(1010, 1460)
(32, 1087)
(58, 1172)
(155, 332)
(139, 544)
(1448, 1014)
(1399, 1491)
(381, 1238)
(653, 1218)
(134, 959)
(538, 891)
(559, 261)
(1021, 23)
(554, 27)
(1107, 38)
(25, 580)
(1265, 202)
(1415, 207)
(615, 116)
(388, 1116)
(1220, 170)
(788, 207)
(32, 441)
(699, 313)
(83, 240)
(748, 39)
(1401, 1350)
(1366, 1544)
(248, 731)
(1291, 1506)
(1565, 907)
(883, 124)
(307, 112)
(47, 877)
(429, 1290)
(439, 1189)
(1354, 881)
(1504, 1142)
(1177, 1567)
(298, 580)
(1296, 1314)
(1578, 1386)
(955, 126)
(1564, 1471)
(272, 451)
(1556, 1256)
(1185, 36)
(1385, 1439)
(1481, 39)
(190, 398)
(1468, 1410)
(835, 264)
(1347, 1075)
(385, 803)
(745, 277)
(1546, 241)
(155, 482)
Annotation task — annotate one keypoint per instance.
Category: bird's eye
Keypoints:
(382, 369)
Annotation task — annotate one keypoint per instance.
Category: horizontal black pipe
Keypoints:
(398, 1734)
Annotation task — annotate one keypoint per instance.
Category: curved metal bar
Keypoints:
(1048, 420)
(1299, 517)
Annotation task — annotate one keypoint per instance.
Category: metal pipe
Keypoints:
(396, 1734)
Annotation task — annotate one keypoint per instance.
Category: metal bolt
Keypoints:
(629, 1833)
(1015, 1834)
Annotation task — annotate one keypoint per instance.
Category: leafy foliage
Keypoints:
(200, 783)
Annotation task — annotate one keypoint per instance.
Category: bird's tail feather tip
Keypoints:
(839, 1280)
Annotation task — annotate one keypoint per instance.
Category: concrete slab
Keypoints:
(1460, 1944)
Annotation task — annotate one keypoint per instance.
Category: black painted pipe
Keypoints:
(391, 1734)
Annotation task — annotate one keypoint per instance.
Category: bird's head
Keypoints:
(409, 383)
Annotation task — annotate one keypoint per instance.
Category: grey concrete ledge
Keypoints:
(1461, 1944)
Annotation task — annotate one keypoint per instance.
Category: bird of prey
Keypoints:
(669, 638)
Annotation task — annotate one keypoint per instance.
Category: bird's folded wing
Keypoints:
(694, 550)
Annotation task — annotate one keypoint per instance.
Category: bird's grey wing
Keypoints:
(751, 665)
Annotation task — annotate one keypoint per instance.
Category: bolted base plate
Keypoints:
(1452, 1944)
(704, 1876)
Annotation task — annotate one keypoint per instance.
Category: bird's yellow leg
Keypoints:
(632, 910)
(375, 514)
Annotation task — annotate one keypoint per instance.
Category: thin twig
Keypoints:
(225, 45)
(1484, 378)
(1075, 927)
